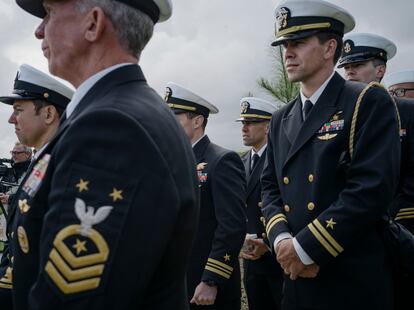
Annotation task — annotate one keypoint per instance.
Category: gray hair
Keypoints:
(133, 27)
(26, 149)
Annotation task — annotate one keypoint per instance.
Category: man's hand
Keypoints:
(291, 263)
(4, 198)
(258, 248)
(204, 295)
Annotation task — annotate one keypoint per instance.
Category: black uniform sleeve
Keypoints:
(228, 192)
(276, 222)
(113, 207)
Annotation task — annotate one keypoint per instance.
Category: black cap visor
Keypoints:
(295, 36)
(12, 98)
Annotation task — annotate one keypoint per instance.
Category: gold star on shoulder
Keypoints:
(227, 257)
(82, 185)
(330, 223)
(116, 194)
(80, 246)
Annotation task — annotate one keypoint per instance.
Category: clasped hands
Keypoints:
(291, 263)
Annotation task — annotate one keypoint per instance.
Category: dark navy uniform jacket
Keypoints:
(105, 218)
(330, 203)
(267, 264)
(403, 205)
(222, 222)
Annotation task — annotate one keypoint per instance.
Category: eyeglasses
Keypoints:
(17, 152)
(399, 92)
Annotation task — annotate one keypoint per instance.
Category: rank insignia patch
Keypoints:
(79, 252)
(35, 178)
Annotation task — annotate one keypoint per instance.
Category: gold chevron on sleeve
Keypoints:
(6, 280)
(405, 213)
(325, 238)
(219, 268)
(75, 274)
(274, 220)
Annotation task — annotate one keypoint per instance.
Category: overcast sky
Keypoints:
(218, 49)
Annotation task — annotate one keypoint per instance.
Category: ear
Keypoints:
(198, 121)
(330, 48)
(267, 126)
(380, 72)
(50, 114)
(94, 24)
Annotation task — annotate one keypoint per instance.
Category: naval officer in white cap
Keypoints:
(323, 196)
(38, 101)
(263, 276)
(364, 56)
(93, 231)
(213, 275)
(401, 83)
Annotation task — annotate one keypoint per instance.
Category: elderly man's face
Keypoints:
(61, 32)
(19, 154)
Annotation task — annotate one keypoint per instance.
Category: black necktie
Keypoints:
(255, 159)
(306, 109)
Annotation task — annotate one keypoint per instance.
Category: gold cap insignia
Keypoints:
(244, 107)
(282, 17)
(347, 47)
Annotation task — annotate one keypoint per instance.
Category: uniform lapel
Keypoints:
(246, 158)
(254, 178)
(320, 113)
(292, 122)
(200, 149)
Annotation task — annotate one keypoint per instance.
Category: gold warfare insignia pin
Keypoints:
(77, 260)
(244, 107)
(168, 94)
(22, 238)
(327, 136)
(282, 17)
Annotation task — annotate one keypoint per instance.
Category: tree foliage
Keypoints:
(279, 86)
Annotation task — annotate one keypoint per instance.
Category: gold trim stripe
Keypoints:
(182, 107)
(405, 213)
(214, 261)
(224, 275)
(70, 288)
(256, 116)
(6, 280)
(405, 210)
(404, 217)
(219, 268)
(328, 236)
(319, 237)
(73, 275)
(274, 220)
(301, 28)
(6, 286)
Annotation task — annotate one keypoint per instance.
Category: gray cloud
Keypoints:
(218, 49)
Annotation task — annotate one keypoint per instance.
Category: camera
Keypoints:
(7, 175)
(6, 168)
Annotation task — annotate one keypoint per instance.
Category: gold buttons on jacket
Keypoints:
(311, 206)
(262, 219)
(310, 178)
(260, 204)
(287, 208)
(23, 241)
(286, 180)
